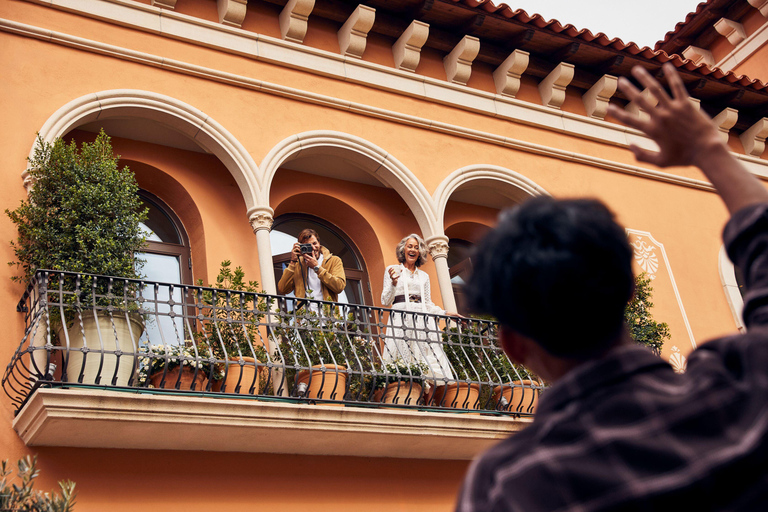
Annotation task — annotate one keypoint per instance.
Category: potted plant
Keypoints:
(402, 382)
(463, 345)
(175, 366)
(320, 351)
(232, 315)
(83, 214)
(519, 391)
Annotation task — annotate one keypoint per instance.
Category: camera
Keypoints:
(305, 248)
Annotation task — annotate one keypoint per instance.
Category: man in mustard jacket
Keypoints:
(317, 270)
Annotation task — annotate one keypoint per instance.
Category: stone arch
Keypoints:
(367, 156)
(525, 186)
(172, 113)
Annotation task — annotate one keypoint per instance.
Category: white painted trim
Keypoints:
(757, 166)
(745, 49)
(672, 280)
(93, 418)
(469, 173)
(367, 156)
(174, 114)
(731, 288)
(286, 53)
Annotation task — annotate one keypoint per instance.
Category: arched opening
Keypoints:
(284, 234)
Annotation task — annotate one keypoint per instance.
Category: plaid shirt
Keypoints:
(627, 433)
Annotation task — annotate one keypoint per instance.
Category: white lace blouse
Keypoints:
(409, 284)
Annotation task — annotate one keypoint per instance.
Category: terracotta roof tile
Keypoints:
(600, 38)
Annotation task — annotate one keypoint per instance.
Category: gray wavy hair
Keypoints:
(400, 249)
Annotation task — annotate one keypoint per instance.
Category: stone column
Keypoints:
(438, 248)
(261, 222)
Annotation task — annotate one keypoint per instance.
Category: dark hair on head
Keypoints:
(306, 234)
(556, 271)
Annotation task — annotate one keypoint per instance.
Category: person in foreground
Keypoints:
(315, 275)
(618, 429)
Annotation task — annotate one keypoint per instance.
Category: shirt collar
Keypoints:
(617, 365)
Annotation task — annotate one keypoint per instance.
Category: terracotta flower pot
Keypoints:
(402, 392)
(172, 377)
(458, 395)
(330, 384)
(246, 376)
(519, 399)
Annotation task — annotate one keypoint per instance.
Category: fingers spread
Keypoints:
(631, 120)
(676, 84)
(646, 155)
(650, 83)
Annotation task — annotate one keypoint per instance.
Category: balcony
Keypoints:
(111, 362)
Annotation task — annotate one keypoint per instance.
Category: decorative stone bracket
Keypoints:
(699, 55)
(633, 108)
(293, 19)
(354, 33)
(753, 139)
(507, 75)
(232, 12)
(458, 63)
(552, 88)
(760, 5)
(731, 30)
(726, 120)
(598, 96)
(407, 49)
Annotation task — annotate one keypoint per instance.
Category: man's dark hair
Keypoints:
(306, 234)
(556, 271)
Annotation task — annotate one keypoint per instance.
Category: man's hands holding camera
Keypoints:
(306, 251)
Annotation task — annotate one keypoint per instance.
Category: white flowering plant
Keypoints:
(402, 371)
(156, 358)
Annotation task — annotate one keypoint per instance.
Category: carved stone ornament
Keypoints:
(438, 249)
(261, 221)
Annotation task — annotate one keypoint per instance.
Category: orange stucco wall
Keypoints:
(40, 77)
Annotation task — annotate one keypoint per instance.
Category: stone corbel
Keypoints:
(407, 49)
(28, 181)
(507, 75)
(293, 19)
(458, 63)
(753, 139)
(633, 108)
(354, 33)
(731, 30)
(726, 120)
(699, 55)
(165, 4)
(598, 96)
(232, 12)
(552, 88)
(760, 5)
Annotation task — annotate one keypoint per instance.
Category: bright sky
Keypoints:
(643, 22)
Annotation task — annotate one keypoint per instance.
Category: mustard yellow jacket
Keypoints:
(331, 274)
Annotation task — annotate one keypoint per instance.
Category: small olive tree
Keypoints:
(22, 496)
(643, 328)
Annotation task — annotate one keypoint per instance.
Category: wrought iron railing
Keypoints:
(96, 331)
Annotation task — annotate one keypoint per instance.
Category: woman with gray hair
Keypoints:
(413, 338)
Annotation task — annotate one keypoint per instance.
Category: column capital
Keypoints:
(438, 246)
(261, 218)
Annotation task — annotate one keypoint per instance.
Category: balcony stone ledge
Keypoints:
(88, 418)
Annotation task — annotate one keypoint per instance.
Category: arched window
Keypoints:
(285, 231)
(167, 260)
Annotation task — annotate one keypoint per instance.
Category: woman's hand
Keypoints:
(394, 275)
